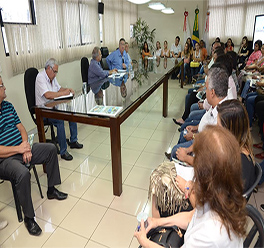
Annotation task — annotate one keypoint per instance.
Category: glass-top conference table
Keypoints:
(127, 90)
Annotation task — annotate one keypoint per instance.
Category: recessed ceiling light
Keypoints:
(156, 6)
(167, 11)
(138, 1)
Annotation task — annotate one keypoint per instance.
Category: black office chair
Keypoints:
(104, 64)
(104, 52)
(29, 84)
(256, 229)
(258, 173)
(84, 72)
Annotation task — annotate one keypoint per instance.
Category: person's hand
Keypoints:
(181, 154)
(141, 234)
(191, 129)
(152, 223)
(189, 136)
(124, 66)
(180, 182)
(113, 71)
(71, 91)
(24, 147)
(200, 105)
(27, 157)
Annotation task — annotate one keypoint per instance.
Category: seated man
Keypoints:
(216, 92)
(47, 88)
(176, 48)
(118, 59)
(15, 152)
(95, 71)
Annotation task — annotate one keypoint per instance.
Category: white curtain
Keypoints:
(233, 18)
(57, 34)
(118, 16)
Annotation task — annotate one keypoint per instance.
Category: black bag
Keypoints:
(169, 237)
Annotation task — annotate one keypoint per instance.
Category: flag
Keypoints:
(195, 36)
(186, 28)
(206, 29)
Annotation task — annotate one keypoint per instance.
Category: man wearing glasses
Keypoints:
(16, 152)
(47, 88)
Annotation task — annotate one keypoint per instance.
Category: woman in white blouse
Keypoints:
(158, 50)
(219, 217)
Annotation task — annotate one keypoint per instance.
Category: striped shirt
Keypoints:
(9, 133)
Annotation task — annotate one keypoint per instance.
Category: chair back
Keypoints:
(256, 229)
(84, 69)
(104, 51)
(29, 85)
(258, 173)
(104, 64)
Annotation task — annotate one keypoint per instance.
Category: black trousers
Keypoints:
(14, 168)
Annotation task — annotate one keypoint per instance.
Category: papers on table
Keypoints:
(70, 96)
(105, 110)
(121, 71)
(117, 75)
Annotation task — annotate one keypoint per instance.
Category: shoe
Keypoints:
(57, 195)
(168, 155)
(260, 155)
(176, 122)
(262, 207)
(179, 129)
(259, 145)
(32, 226)
(67, 156)
(75, 145)
(3, 224)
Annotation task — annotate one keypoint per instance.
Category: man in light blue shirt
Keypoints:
(118, 59)
(95, 71)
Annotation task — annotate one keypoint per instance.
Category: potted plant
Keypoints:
(143, 33)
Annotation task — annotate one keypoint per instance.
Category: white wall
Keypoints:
(169, 26)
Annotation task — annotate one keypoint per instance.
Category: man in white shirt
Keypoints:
(216, 92)
(47, 88)
(176, 48)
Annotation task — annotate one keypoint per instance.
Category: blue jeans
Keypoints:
(174, 149)
(250, 106)
(186, 68)
(59, 124)
(195, 106)
(245, 89)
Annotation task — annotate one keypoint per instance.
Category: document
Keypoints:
(70, 96)
(111, 111)
(184, 170)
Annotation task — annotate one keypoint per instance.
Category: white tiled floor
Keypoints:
(92, 217)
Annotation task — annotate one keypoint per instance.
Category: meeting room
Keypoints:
(131, 123)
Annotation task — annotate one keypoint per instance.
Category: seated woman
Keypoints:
(197, 59)
(243, 53)
(189, 41)
(229, 45)
(165, 52)
(203, 50)
(145, 51)
(254, 55)
(219, 219)
(158, 50)
(186, 56)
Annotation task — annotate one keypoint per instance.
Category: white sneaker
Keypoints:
(3, 224)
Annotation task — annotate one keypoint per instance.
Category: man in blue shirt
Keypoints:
(95, 71)
(16, 152)
(118, 59)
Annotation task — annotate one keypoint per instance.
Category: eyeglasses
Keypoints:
(2, 85)
(55, 72)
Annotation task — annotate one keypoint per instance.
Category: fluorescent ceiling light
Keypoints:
(167, 11)
(138, 1)
(156, 6)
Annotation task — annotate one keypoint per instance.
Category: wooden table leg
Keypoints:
(116, 156)
(41, 132)
(165, 97)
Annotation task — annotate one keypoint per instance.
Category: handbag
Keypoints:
(194, 64)
(169, 237)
